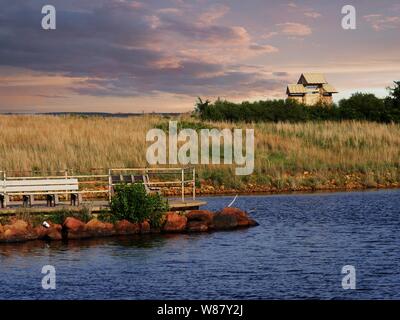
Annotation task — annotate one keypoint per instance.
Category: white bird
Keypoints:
(233, 201)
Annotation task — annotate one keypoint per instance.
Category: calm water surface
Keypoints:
(297, 252)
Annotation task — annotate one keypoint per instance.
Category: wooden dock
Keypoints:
(96, 206)
(26, 194)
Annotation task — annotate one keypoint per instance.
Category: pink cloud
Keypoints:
(380, 22)
(263, 48)
(214, 13)
(294, 29)
(312, 14)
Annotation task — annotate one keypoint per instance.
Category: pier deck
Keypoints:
(95, 206)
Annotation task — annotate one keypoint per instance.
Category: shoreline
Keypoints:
(75, 227)
(233, 192)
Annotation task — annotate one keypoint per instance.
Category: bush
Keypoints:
(59, 217)
(131, 202)
(362, 106)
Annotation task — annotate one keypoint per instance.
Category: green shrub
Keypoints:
(59, 217)
(131, 202)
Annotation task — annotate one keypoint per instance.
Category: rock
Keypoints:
(204, 216)
(253, 223)
(174, 222)
(75, 229)
(73, 225)
(54, 232)
(97, 228)
(230, 218)
(124, 227)
(41, 232)
(145, 227)
(196, 226)
(223, 221)
(18, 231)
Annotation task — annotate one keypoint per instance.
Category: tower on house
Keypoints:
(312, 88)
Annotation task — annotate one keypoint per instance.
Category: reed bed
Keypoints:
(289, 156)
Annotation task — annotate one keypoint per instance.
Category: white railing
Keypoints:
(103, 183)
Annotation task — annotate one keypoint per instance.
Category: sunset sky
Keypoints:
(153, 55)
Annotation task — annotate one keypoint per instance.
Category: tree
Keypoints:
(362, 106)
(201, 106)
(392, 103)
(394, 93)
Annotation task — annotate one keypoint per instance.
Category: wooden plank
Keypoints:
(43, 182)
(8, 189)
(95, 206)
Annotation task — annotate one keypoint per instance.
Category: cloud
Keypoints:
(312, 14)
(214, 13)
(269, 35)
(280, 74)
(263, 48)
(380, 22)
(121, 48)
(294, 29)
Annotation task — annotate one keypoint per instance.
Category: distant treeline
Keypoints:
(359, 106)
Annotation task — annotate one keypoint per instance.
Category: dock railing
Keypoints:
(93, 185)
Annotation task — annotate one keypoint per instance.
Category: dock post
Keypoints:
(66, 177)
(109, 185)
(5, 198)
(194, 183)
(183, 185)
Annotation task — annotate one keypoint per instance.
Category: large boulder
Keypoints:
(174, 222)
(197, 226)
(17, 231)
(99, 229)
(73, 224)
(230, 218)
(75, 229)
(145, 227)
(54, 232)
(200, 215)
(199, 220)
(124, 227)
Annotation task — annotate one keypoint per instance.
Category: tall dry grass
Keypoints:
(287, 155)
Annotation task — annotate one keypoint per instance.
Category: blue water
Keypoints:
(297, 252)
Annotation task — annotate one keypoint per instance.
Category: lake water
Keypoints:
(297, 252)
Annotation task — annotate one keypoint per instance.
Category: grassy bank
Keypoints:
(302, 156)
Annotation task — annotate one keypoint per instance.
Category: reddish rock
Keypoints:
(55, 232)
(230, 218)
(41, 232)
(98, 228)
(18, 231)
(242, 218)
(75, 229)
(204, 216)
(145, 227)
(125, 227)
(223, 221)
(73, 225)
(174, 222)
(196, 226)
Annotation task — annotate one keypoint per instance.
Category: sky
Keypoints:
(159, 55)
